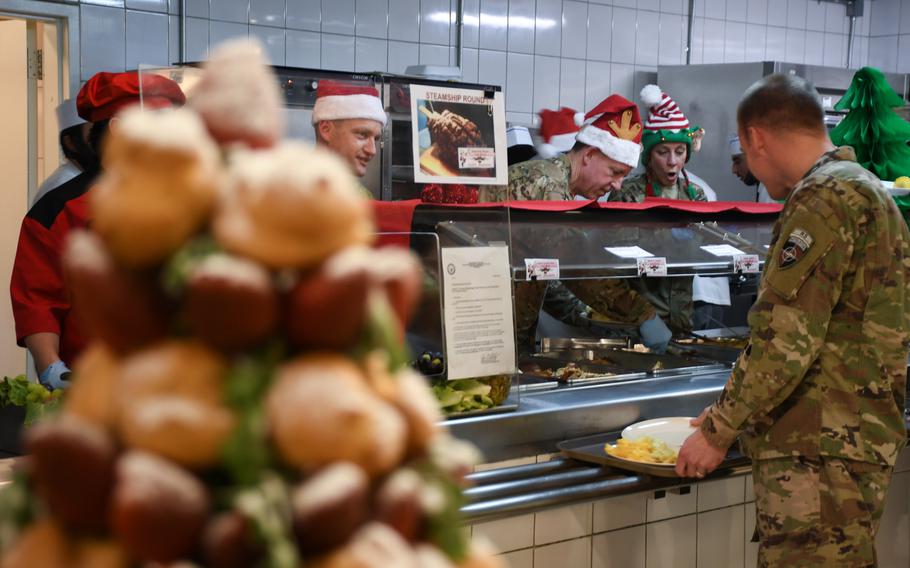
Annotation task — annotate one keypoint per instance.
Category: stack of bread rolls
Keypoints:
(245, 401)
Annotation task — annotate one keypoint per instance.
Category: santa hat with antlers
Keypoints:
(614, 127)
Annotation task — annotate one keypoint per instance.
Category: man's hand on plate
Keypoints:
(698, 457)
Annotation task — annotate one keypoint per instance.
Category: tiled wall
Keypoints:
(889, 35)
(544, 52)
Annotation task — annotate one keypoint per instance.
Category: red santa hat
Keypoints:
(614, 127)
(557, 130)
(337, 101)
(106, 94)
(664, 113)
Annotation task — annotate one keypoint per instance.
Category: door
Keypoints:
(14, 163)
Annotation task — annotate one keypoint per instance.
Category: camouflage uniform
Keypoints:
(534, 180)
(634, 189)
(568, 301)
(672, 297)
(818, 394)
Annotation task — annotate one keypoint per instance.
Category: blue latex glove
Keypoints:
(655, 334)
(56, 376)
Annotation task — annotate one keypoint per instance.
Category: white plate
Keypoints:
(672, 431)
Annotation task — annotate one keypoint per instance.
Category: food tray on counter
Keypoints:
(628, 361)
(591, 449)
(545, 367)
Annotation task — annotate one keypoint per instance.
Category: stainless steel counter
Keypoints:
(511, 491)
(547, 417)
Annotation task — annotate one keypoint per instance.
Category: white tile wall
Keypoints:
(268, 12)
(435, 19)
(648, 38)
(574, 553)
(519, 558)
(796, 46)
(574, 29)
(564, 523)
(148, 35)
(494, 29)
(506, 535)
(371, 54)
(520, 82)
(600, 20)
(619, 549)
(273, 41)
(521, 26)
(546, 82)
(620, 512)
(303, 14)
(720, 538)
(815, 48)
(572, 84)
(303, 49)
(230, 10)
(734, 42)
(587, 48)
(103, 39)
(372, 18)
(677, 538)
(623, 40)
(220, 32)
(337, 52)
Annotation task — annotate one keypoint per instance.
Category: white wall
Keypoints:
(544, 52)
(889, 36)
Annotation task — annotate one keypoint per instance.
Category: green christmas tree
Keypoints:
(871, 126)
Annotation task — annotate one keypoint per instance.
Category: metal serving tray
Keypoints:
(634, 361)
(549, 344)
(591, 449)
(531, 364)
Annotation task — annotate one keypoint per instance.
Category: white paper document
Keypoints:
(480, 337)
(722, 250)
(628, 252)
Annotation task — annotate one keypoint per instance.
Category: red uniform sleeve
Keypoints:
(40, 300)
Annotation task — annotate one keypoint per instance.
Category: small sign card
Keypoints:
(541, 269)
(746, 263)
(628, 252)
(652, 266)
(722, 250)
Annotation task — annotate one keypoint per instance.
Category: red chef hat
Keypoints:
(557, 130)
(106, 94)
(336, 100)
(614, 127)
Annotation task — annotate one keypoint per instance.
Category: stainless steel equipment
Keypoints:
(714, 108)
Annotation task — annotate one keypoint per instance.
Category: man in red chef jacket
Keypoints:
(41, 305)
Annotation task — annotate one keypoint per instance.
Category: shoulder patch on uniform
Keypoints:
(795, 248)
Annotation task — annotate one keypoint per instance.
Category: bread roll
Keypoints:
(292, 206)
(238, 96)
(91, 395)
(324, 400)
(161, 174)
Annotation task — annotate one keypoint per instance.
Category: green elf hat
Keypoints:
(667, 123)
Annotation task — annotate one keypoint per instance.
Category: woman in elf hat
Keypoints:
(668, 142)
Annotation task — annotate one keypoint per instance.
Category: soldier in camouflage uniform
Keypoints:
(667, 146)
(605, 151)
(818, 395)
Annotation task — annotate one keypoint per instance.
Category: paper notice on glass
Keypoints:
(722, 250)
(480, 338)
(628, 252)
